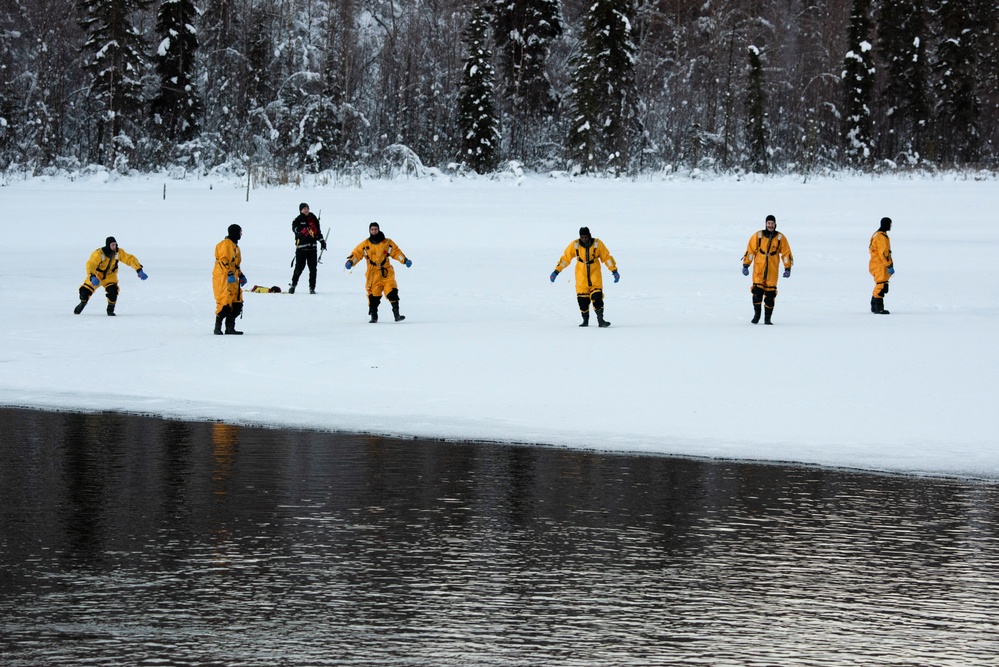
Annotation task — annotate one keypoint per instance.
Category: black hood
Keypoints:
(377, 238)
(233, 235)
(108, 252)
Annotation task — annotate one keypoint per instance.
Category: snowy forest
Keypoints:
(282, 88)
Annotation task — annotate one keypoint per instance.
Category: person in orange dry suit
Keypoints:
(765, 251)
(227, 282)
(588, 253)
(882, 267)
(102, 271)
(379, 277)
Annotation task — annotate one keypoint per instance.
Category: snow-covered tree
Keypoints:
(115, 57)
(902, 35)
(476, 111)
(756, 115)
(958, 107)
(524, 33)
(177, 107)
(858, 85)
(604, 96)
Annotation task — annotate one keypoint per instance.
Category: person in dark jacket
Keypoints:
(307, 236)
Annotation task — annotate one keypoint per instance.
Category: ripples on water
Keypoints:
(135, 541)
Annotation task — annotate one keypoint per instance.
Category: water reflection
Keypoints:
(126, 540)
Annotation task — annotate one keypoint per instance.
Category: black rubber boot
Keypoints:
(111, 310)
(373, 302)
(230, 322)
(768, 313)
(874, 304)
(586, 319)
(395, 312)
(218, 325)
(79, 307)
(291, 288)
(756, 313)
(601, 322)
(879, 307)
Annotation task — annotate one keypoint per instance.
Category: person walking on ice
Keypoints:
(227, 282)
(765, 251)
(882, 267)
(379, 277)
(307, 235)
(588, 253)
(102, 271)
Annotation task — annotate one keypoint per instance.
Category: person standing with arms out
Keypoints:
(588, 253)
(765, 251)
(882, 267)
(379, 276)
(307, 235)
(227, 281)
(102, 271)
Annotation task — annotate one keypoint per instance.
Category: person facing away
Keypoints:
(588, 253)
(227, 281)
(882, 267)
(307, 235)
(379, 277)
(765, 251)
(102, 271)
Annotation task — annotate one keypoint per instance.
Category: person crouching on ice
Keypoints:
(379, 278)
(588, 253)
(102, 271)
(227, 281)
(765, 250)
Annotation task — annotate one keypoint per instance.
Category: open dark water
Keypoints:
(137, 541)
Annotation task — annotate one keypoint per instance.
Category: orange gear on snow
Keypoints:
(227, 259)
(880, 259)
(379, 277)
(765, 252)
(589, 275)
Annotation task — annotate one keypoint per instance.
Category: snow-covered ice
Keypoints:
(490, 349)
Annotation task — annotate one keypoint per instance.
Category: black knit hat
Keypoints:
(234, 232)
(584, 231)
(301, 206)
(885, 224)
(771, 217)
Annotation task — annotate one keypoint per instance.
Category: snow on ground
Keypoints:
(490, 349)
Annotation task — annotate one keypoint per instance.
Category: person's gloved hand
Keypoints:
(94, 281)
(891, 270)
(408, 263)
(142, 274)
(787, 273)
(322, 244)
(745, 269)
(348, 264)
(230, 278)
(554, 275)
(617, 276)
(242, 280)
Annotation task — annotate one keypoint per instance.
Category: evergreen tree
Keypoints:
(901, 38)
(223, 79)
(756, 115)
(177, 107)
(604, 96)
(476, 111)
(525, 30)
(958, 107)
(115, 57)
(858, 85)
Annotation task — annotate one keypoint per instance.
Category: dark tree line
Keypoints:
(604, 86)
